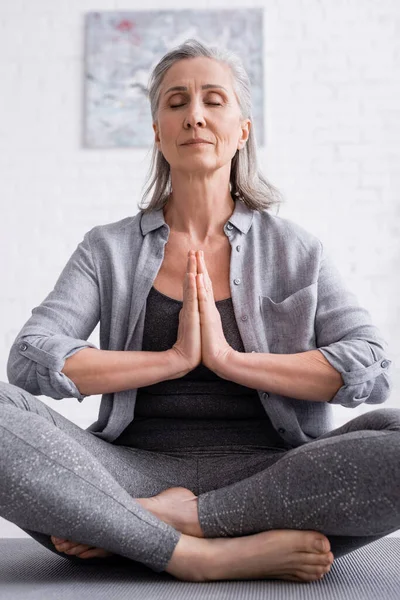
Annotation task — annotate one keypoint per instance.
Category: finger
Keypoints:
(204, 282)
(202, 292)
(191, 290)
(200, 262)
(192, 263)
(186, 279)
(191, 275)
(202, 267)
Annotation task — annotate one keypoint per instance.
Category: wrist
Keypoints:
(223, 366)
(178, 367)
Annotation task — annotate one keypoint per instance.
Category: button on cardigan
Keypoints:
(287, 295)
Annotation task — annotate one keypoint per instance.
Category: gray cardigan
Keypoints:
(287, 296)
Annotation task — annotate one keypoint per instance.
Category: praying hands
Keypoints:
(200, 334)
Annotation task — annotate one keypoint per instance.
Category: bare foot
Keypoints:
(79, 550)
(171, 506)
(278, 554)
(176, 506)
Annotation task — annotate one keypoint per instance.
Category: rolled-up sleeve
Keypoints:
(57, 329)
(347, 338)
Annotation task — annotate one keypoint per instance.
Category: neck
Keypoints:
(198, 211)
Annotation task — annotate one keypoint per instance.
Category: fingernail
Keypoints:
(320, 545)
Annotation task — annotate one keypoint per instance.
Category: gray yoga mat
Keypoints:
(29, 571)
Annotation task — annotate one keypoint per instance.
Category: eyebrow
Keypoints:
(182, 88)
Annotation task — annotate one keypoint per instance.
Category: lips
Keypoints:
(196, 141)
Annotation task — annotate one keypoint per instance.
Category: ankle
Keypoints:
(189, 561)
(192, 520)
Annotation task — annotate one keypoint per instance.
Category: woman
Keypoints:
(225, 335)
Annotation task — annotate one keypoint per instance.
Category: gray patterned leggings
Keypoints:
(58, 479)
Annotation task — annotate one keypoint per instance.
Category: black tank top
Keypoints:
(199, 409)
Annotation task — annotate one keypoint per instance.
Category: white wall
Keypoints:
(332, 129)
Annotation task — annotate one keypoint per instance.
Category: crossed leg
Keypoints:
(58, 479)
(345, 484)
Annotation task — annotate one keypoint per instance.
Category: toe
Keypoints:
(318, 543)
(96, 553)
(313, 571)
(313, 558)
(78, 549)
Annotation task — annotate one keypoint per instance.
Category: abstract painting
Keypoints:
(121, 49)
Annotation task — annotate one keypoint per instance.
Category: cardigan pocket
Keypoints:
(290, 324)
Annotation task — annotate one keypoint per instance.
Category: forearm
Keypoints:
(305, 375)
(101, 371)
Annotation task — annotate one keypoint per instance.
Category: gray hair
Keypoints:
(246, 181)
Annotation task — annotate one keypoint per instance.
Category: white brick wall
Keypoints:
(332, 107)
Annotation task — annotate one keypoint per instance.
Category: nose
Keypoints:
(194, 117)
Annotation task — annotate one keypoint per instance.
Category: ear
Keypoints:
(156, 137)
(245, 126)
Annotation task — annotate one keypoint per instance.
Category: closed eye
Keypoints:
(211, 103)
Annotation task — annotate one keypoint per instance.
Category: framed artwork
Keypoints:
(121, 49)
